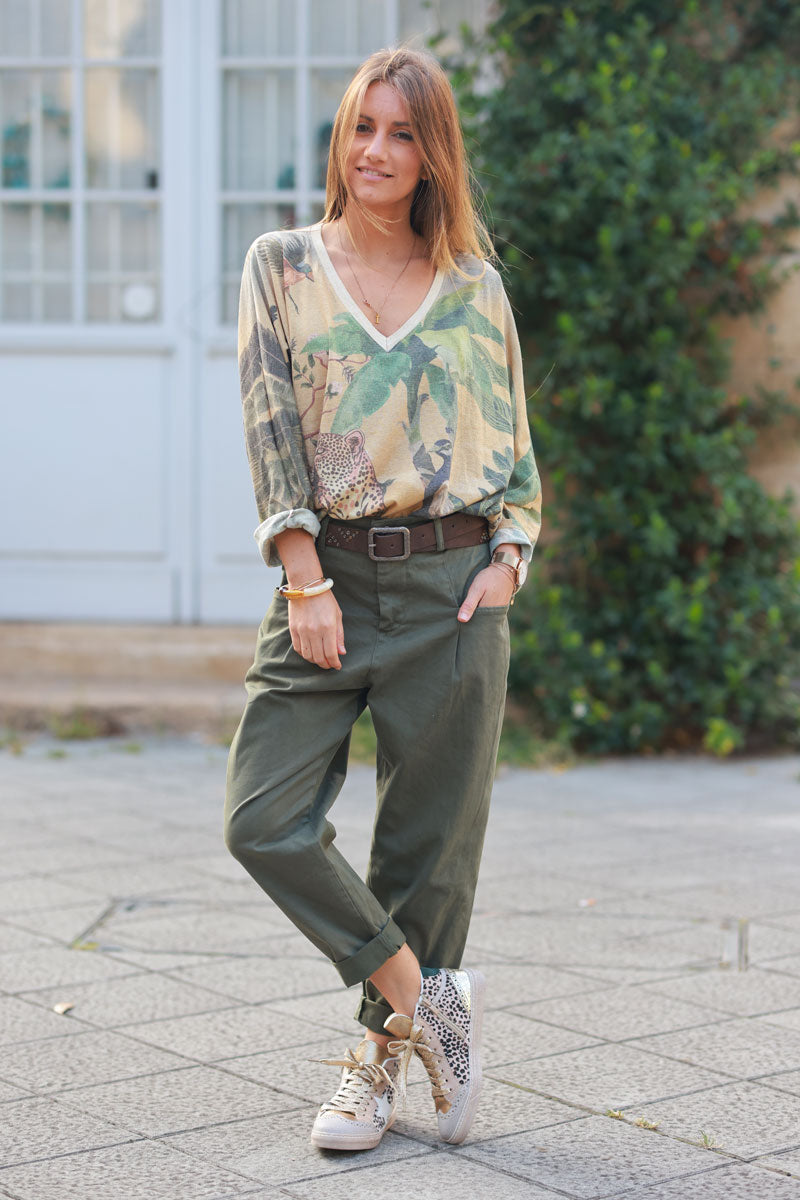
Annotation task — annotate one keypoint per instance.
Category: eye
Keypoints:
(362, 127)
(404, 135)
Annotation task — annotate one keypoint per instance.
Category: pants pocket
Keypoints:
(462, 567)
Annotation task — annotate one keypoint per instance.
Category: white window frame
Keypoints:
(303, 195)
(79, 333)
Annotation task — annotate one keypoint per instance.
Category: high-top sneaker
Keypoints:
(363, 1108)
(445, 1033)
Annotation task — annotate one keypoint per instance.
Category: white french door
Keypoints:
(145, 144)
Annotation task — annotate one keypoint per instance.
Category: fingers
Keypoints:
(330, 657)
(489, 587)
(472, 600)
(320, 650)
(316, 630)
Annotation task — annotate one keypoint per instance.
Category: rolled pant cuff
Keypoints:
(362, 964)
(371, 1015)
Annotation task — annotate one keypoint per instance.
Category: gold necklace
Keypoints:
(358, 281)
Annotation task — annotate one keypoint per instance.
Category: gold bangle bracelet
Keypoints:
(506, 567)
(303, 593)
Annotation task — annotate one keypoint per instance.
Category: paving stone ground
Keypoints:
(638, 923)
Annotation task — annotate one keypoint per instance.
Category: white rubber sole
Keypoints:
(336, 1141)
(477, 986)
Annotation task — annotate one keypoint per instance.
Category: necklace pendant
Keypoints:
(377, 318)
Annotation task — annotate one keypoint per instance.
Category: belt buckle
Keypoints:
(379, 529)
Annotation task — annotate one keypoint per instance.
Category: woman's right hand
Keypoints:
(315, 624)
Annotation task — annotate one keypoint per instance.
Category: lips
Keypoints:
(371, 173)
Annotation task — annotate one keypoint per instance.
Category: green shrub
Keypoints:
(616, 148)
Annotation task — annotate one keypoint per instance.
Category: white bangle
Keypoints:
(303, 593)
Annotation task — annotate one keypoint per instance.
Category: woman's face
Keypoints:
(384, 165)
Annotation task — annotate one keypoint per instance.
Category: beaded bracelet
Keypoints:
(315, 588)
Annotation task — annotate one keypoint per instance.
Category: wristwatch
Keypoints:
(517, 562)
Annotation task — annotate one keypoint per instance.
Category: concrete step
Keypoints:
(123, 678)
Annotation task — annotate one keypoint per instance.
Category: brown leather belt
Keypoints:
(397, 542)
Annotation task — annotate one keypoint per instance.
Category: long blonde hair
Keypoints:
(442, 210)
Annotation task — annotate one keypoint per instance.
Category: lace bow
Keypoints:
(356, 1083)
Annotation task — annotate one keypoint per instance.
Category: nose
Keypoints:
(377, 146)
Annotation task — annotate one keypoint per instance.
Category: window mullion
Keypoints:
(302, 131)
(35, 178)
(79, 274)
(77, 95)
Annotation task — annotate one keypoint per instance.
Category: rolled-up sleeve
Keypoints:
(275, 449)
(522, 501)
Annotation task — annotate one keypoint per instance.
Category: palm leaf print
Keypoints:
(470, 363)
(457, 308)
(370, 388)
(503, 466)
(344, 337)
(524, 483)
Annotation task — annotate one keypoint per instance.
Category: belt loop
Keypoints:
(323, 529)
(437, 525)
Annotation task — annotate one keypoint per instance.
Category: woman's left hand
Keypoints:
(492, 587)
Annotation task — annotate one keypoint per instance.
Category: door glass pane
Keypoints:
(56, 237)
(122, 237)
(56, 106)
(123, 256)
(55, 27)
(35, 261)
(347, 27)
(16, 102)
(241, 225)
(258, 129)
(122, 128)
(121, 28)
(35, 110)
(258, 27)
(56, 302)
(327, 89)
(17, 302)
(40, 27)
(16, 28)
(17, 253)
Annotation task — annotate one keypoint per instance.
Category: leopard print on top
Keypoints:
(344, 477)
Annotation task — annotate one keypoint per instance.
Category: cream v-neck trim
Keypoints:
(386, 343)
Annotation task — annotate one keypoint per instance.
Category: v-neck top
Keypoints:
(341, 420)
(390, 340)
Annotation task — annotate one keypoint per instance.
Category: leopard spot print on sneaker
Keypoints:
(445, 1034)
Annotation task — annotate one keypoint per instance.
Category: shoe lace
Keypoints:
(357, 1082)
(404, 1049)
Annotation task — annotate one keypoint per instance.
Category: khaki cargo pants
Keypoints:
(435, 688)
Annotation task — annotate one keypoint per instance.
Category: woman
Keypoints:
(391, 458)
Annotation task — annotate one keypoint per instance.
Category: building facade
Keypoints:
(145, 144)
